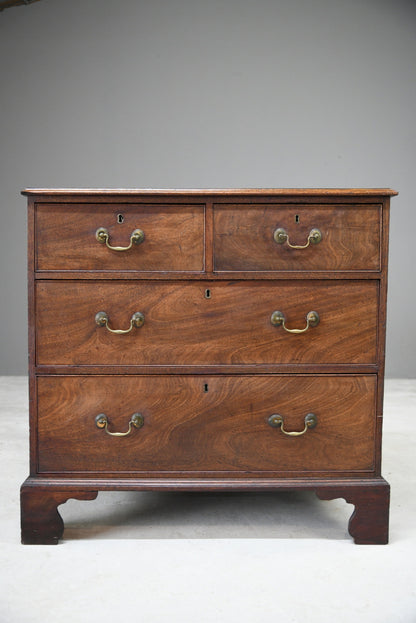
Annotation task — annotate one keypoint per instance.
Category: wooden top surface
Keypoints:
(218, 191)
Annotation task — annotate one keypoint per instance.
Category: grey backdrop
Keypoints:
(208, 93)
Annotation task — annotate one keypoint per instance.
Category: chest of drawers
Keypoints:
(206, 340)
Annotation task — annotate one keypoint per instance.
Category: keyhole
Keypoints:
(205, 387)
(297, 218)
(207, 293)
(120, 218)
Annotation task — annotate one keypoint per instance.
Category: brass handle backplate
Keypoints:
(136, 420)
(137, 321)
(276, 421)
(281, 236)
(278, 319)
(102, 235)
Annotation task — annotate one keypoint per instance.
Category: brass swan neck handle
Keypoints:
(136, 420)
(276, 421)
(102, 320)
(278, 319)
(281, 236)
(136, 237)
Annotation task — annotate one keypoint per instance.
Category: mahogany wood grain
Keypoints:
(243, 238)
(369, 523)
(209, 232)
(99, 194)
(255, 368)
(183, 327)
(41, 523)
(31, 333)
(145, 275)
(381, 322)
(206, 372)
(206, 424)
(174, 237)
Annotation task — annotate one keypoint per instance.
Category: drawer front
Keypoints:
(66, 237)
(206, 424)
(244, 237)
(184, 327)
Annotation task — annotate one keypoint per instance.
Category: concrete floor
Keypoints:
(248, 558)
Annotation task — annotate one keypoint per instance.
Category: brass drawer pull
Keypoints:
(137, 321)
(136, 420)
(102, 235)
(278, 318)
(276, 421)
(281, 236)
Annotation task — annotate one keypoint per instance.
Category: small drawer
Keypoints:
(297, 237)
(212, 424)
(147, 237)
(206, 323)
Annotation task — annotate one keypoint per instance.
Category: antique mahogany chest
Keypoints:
(206, 340)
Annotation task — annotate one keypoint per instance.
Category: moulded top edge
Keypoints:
(216, 191)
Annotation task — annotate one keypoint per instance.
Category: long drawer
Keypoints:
(206, 424)
(206, 323)
(75, 237)
(261, 237)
